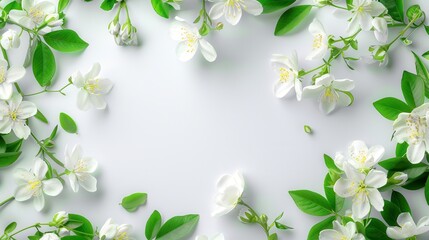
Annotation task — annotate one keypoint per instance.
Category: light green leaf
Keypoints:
(108, 5)
(67, 123)
(395, 164)
(422, 72)
(391, 107)
(311, 203)
(44, 66)
(65, 40)
(8, 158)
(336, 202)
(14, 146)
(314, 232)
(178, 227)
(274, 5)
(153, 225)
(401, 149)
(86, 229)
(10, 228)
(395, 9)
(132, 202)
(426, 55)
(413, 89)
(291, 19)
(161, 8)
(62, 4)
(39, 116)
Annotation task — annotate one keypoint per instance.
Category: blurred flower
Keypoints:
(229, 191)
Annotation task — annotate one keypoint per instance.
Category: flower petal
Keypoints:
(217, 10)
(252, 6)
(14, 74)
(416, 152)
(233, 13)
(52, 187)
(88, 182)
(208, 50)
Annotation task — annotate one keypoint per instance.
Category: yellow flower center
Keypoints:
(81, 166)
(2, 74)
(34, 184)
(416, 128)
(13, 115)
(317, 42)
(361, 9)
(330, 94)
(36, 14)
(122, 236)
(92, 86)
(284, 74)
(190, 39)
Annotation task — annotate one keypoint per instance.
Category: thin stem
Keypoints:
(47, 151)
(29, 227)
(49, 91)
(401, 33)
(254, 213)
(10, 199)
(124, 4)
(339, 7)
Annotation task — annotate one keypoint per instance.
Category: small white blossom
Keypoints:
(363, 12)
(320, 41)
(79, 169)
(340, 232)
(287, 70)
(8, 77)
(127, 35)
(219, 236)
(114, 27)
(359, 156)
(331, 92)
(50, 236)
(10, 39)
(232, 9)
(381, 32)
(413, 128)
(92, 89)
(111, 231)
(60, 219)
(189, 41)
(13, 115)
(407, 227)
(230, 188)
(398, 178)
(363, 189)
(32, 184)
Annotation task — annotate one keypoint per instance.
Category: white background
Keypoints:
(172, 129)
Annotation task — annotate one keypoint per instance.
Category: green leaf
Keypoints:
(3, 146)
(314, 232)
(416, 170)
(108, 5)
(86, 229)
(418, 183)
(273, 237)
(422, 72)
(178, 227)
(427, 191)
(132, 202)
(67, 123)
(8, 158)
(39, 116)
(390, 213)
(395, 9)
(14, 5)
(413, 89)
(396, 164)
(401, 149)
(400, 201)
(65, 40)
(153, 225)
(426, 54)
(10, 228)
(330, 163)
(161, 8)
(274, 5)
(333, 199)
(44, 66)
(391, 107)
(291, 19)
(74, 238)
(62, 4)
(14, 146)
(311, 203)
(376, 230)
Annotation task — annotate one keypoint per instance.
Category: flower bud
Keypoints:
(219, 26)
(127, 35)
(398, 178)
(10, 39)
(63, 232)
(322, 3)
(60, 219)
(53, 20)
(379, 54)
(50, 236)
(114, 27)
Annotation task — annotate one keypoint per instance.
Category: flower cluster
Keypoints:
(125, 34)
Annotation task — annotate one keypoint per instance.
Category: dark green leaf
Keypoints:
(415, 170)
(44, 66)
(3, 146)
(376, 230)
(427, 191)
(67, 123)
(335, 201)
(418, 183)
(390, 213)
(14, 146)
(153, 225)
(401, 149)
(391, 107)
(86, 229)
(161, 8)
(132, 202)
(395, 9)
(311, 203)
(74, 238)
(314, 232)
(10, 228)
(426, 54)
(65, 40)
(399, 200)
(8, 158)
(422, 73)
(413, 89)
(274, 5)
(396, 164)
(108, 5)
(178, 227)
(14, 5)
(291, 19)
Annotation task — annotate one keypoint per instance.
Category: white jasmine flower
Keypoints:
(287, 70)
(407, 227)
(216, 237)
(79, 169)
(229, 191)
(380, 29)
(92, 89)
(363, 189)
(362, 13)
(50, 236)
(10, 39)
(413, 129)
(360, 157)
(189, 40)
(340, 232)
(331, 92)
(13, 115)
(32, 184)
(60, 219)
(232, 9)
(8, 77)
(320, 42)
(112, 231)
(35, 13)
(127, 35)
